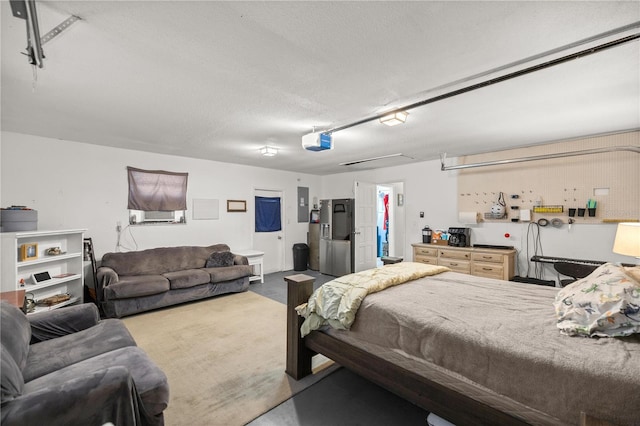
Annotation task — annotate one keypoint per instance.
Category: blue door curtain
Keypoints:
(268, 214)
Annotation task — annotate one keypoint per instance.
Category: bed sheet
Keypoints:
(503, 336)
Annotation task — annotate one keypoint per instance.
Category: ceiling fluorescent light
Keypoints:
(394, 118)
(268, 151)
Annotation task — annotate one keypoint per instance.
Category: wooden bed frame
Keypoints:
(447, 396)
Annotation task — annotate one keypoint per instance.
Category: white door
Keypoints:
(271, 243)
(364, 238)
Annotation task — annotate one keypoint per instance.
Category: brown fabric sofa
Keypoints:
(139, 281)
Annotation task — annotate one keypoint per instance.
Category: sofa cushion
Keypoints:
(106, 336)
(15, 333)
(219, 258)
(160, 260)
(229, 273)
(151, 383)
(11, 380)
(187, 278)
(136, 286)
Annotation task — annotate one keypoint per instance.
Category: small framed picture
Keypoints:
(236, 206)
(29, 251)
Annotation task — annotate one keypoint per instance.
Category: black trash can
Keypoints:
(300, 257)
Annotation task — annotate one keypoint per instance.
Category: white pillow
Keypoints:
(606, 304)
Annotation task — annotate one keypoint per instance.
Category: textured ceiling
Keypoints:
(218, 80)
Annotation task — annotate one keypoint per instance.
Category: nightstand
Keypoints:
(255, 258)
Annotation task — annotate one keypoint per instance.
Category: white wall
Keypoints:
(77, 185)
(435, 192)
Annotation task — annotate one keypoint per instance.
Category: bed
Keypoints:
(476, 351)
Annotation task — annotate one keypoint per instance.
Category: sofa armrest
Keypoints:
(240, 260)
(107, 395)
(105, 276)
(60, 322)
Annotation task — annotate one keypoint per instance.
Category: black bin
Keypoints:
(300, 257)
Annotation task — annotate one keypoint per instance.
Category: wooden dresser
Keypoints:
(482, 262)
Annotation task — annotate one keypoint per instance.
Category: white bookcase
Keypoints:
(17, 273)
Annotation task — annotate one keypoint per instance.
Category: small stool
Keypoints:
(389, 260)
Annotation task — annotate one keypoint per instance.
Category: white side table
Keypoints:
(255, 258)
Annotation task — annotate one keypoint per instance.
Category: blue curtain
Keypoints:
(268, 214)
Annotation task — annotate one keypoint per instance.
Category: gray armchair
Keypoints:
(67, 367)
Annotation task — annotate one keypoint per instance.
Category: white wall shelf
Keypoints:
(48, 259)
(30, 288)
(17, 274)
(41, 308)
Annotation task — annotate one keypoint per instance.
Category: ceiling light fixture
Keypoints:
(268, 151)
(395, 118)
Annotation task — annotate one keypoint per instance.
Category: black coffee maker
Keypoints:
(459, 237)
(426, 235)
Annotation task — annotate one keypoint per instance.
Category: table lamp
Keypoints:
(627, 240)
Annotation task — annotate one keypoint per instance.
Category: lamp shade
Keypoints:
(627, 240)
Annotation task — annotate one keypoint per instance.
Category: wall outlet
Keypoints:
(118, 226)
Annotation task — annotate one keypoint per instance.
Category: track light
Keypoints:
(394, 118)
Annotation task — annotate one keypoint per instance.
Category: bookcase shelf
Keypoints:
(17, 274)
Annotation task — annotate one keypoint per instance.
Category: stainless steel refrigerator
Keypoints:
(336, 231)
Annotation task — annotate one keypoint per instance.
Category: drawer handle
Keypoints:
(453, 264)
(487, 257)
(487, 269)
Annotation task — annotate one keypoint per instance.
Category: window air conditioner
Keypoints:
(158, 216)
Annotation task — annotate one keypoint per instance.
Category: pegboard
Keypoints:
(611, 179)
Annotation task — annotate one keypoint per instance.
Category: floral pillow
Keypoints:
(219, 258)
(606, 304)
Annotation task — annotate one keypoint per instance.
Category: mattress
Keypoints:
(502, 336)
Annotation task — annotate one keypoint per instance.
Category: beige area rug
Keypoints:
(224, 358)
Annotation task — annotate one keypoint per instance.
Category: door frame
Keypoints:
(399, 220)
(392, 212)
(364, 240)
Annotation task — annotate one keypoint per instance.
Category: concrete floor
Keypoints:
(342, 398)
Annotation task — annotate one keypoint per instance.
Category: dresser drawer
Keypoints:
(426, 259)
(425, 251)
(455, 265)
(454, 254)
(487, 257)
(489, 270)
